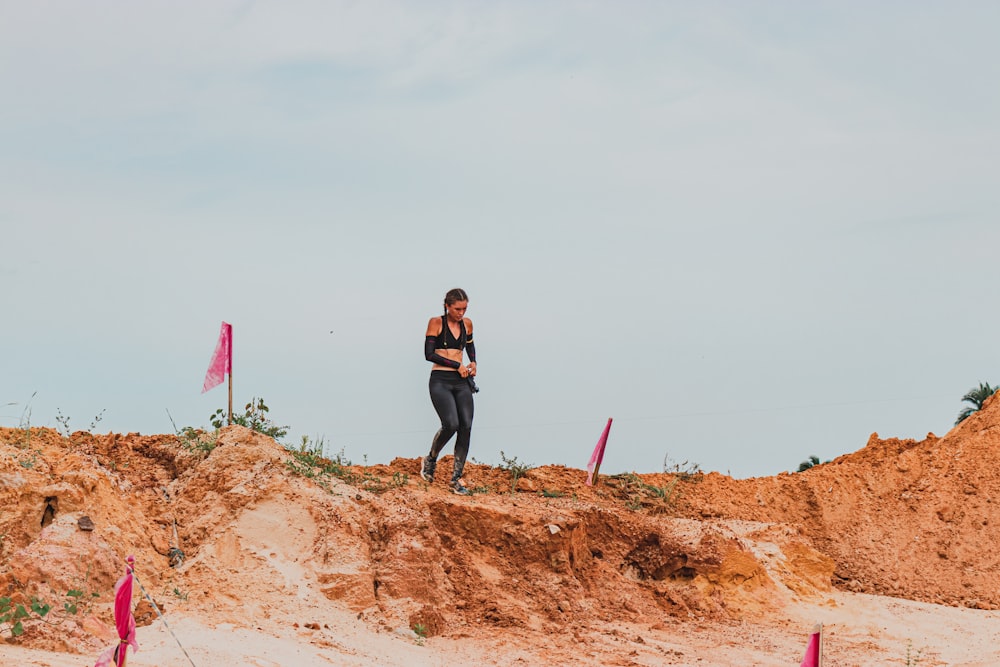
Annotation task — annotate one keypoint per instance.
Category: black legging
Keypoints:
(452, 399)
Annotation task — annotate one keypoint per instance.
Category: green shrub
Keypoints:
(255, 417)
(515, 468)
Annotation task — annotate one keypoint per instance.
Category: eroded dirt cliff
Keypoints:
(241, 528)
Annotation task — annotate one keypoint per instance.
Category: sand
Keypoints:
(294, 560)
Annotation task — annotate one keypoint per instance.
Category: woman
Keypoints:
(450, 386)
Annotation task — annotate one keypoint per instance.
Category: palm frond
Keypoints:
(976, 396)
(964, 414)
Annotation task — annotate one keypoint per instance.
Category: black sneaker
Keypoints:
(426, 471)
(459, 489)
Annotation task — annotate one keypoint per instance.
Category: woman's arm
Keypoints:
(430, 345)
(430, 354)
(470, 346)
(434, 327)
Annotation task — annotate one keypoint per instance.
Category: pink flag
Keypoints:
(598, 455)
(222, 360)
(811, 658)
(124, 621)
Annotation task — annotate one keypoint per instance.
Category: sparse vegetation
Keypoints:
(24, 425)
(665, 492)
(515, 468)
(912, 659)
(309, 462)
(255, 417)
(64, 427)
(975, 397)
(420, 630)
(195, 439)
(317, 446)
(638, 492)
(63, 422)
(14, 614)
(23, 441)
(685, 469)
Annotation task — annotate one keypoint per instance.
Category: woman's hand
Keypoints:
(463, 371)
(472, 368)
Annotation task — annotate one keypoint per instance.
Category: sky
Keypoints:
(750, 232)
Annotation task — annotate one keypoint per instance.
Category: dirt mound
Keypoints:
(898, 517)
(253, 522)
(247, 532)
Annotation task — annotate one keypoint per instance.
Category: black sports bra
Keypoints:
(446, 339)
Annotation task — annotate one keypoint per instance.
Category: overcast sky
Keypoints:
(749, 232)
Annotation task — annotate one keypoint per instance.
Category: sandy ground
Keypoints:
(290, 561)
(859, 629)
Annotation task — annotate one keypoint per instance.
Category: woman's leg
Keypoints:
(465, 408)
(444, 404)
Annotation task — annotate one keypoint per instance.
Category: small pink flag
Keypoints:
(812, 657)
(598, 455)
(222, 360)
(124, 621)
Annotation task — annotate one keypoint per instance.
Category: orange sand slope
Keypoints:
(286, 563)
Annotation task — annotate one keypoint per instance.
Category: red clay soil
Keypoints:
(551, 558)
(900, 517)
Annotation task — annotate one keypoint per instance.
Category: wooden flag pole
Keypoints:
(820, 626)
(230, 374)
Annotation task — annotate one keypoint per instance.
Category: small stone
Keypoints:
(85, 523)
(175, 556)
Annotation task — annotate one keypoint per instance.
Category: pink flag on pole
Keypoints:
(811, 658)
(222, 360)
(598, 455)
(124, 621)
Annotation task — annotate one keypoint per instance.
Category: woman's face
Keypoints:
(456, 311)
